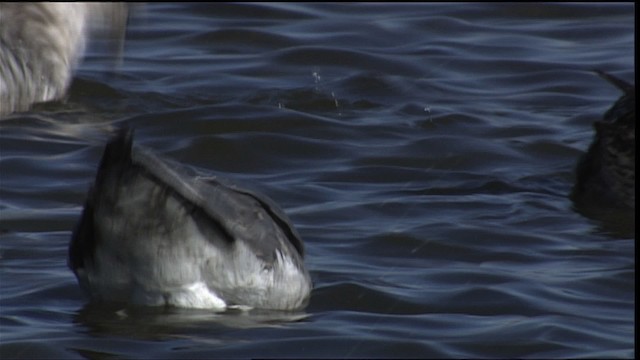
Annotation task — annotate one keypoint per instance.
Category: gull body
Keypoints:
(153, 234)
(606, 174)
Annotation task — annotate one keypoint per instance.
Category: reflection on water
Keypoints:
(149, 323)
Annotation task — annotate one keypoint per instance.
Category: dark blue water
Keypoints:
(424, 152)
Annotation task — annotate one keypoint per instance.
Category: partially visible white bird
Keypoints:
(41, 45)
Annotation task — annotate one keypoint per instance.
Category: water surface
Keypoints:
(424, 152)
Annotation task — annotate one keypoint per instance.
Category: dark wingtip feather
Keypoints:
(119, 147)
(83, 240)
(616, 81)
